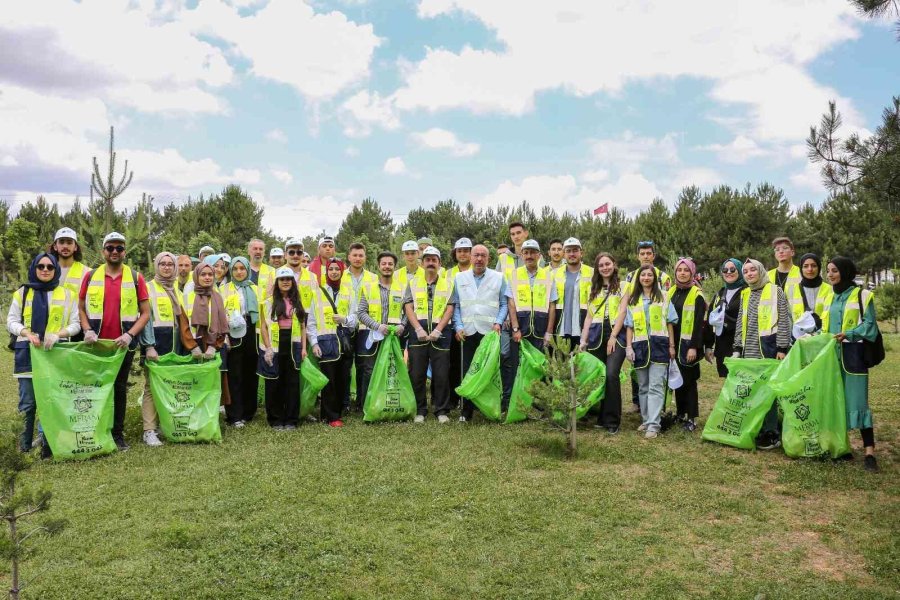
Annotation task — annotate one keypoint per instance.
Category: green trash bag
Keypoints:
(588, 370)
(482, 384)
(532, 365)
(743, 403)
(187, 394)
(809, 389)
(73, 388)
(390, 395)
(313, 380)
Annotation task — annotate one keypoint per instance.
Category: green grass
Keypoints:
(479, 511)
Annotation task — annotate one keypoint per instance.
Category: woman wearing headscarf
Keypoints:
(848, 313)
(328, 332)
(763, 330)
(690, 306)
(241, 299)
(812, 287)
(725, 305)
(219, 264)
(161, 335)
(41, 313)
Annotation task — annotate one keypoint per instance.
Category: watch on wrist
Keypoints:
(515, 330)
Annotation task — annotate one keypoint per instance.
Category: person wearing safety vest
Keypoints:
(185, 268)
(282, 350)
(603, 335)
(787, 275)
(328, 330)
(307, 282)
(724, 309)
(848, 313)
(479, 307)
(41, 312)
(532, 298)
(462, 254)
(646, 250)
(357, 277)
(114, 305)
(812, 285)
(261, 274)
(573, 287)
(161, 335)
(649, 345)
(380, 305)
(690, 306)
(67, 250)
(326, 250)
(557, 254)
(410, 251)
(241, 299)
(425, 242)
(763, 330)
(276, 259)
(426, 301)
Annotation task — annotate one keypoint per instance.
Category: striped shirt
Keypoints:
(783, 337)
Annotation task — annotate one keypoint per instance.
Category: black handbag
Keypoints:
(873, 352)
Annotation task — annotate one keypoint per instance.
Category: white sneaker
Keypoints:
(443, 419)
(238, 424)
(151, 439)
(463, 419)
(419, 419)
(651, 435)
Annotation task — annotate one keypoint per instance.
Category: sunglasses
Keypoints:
(645, 244)
(112, 249)
(43, 267)
(727, 270)
(294, 252)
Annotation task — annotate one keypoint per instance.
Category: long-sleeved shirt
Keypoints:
(785, 321)
(362, 311)
(312, 322)
(502, 312)
(14, 321)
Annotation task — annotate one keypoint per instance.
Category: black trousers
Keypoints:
(337, 389)
(120, 395)
(455, 373)
(242, 378)
(686, 402)
(348, 355)
(364, 366)
(611, 407)
(283, 394)
(419, 357)
(469, 346)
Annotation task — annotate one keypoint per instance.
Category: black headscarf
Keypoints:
(815, 281)
(847, 270)
(40, 309)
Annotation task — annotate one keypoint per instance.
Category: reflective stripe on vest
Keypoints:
(688, 316)
(602, 307)
(766, 318)
(479, 304)
(852, 317)
(74, 277)
(532, 300)
(275, 333)
(61, 301)
(653, 344)
(791, 290)
(128, 301)
(395, 303)
(164, 325)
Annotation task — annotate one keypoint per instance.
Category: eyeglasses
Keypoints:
(112, 249)
(167, 264)
(294, 252)
(43, 267)
(728, 270)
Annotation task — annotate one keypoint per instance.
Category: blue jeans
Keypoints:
(652, 393)
(27, 406)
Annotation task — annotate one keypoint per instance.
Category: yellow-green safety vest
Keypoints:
(767, 319)
(129, 311)
(165, 325)
(791, 290)
(74, 277)
(650, 345)
(532, 301)
(687, 319)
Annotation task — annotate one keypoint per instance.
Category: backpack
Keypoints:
(873, 352)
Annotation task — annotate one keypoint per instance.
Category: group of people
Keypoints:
(263, 318)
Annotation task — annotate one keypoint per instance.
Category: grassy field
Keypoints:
(478, 511)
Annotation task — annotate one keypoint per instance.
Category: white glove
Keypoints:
(420, 333)
(435, 335)
(210, 352)
(196, 353)
(582, 347)
(629, 354)
(317, 352)
(269, 356)
(548, 337)
(735, 355)
(49, 340)
(124, 340)
(152, 354)
(90, 337)
(383, 329)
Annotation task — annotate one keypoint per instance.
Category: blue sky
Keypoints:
(315, 106)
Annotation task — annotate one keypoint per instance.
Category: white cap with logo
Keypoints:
(276, 252)
(431, 251)
(326, 239)
(531, 245)
(284, 272)
(114, 236)
(294, 242)
(462, 243)
(226, 257)
(65, 232)
(410, 246)
(571, 242)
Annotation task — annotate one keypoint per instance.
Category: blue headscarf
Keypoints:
(739, 282)
(40, 307)
(244, 287)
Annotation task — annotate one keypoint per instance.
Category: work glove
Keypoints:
(629, 354)
(269, 356)
(317, 352)
(90, 337)
(124, 340)
(49, 340)
(435, 335)
(420, 333)
(383, 329)
(210, 352)
(196, 353)
(152, 354)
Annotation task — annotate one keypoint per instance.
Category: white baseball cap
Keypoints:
(307, 256)
(462, 243)
(226, 257)
(276, 252)
(284, 272)
(327, 238)
(113, 236)
(571, 242)
(531, 245)
(431, 251)
(410, 246)
(294, 242)
(65, 232)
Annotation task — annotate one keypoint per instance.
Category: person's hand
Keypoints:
(710, 355)
(269, 356)
(210, 352)
(340, 319)
(548, 337)
(840, 337)
(496, 327)
(90, 337)
(124, 340)
(383, 329)
(461, 335)
(780, 355)
(317, 352)
(629, 353)
(735, 354)
(34, 338)
(610, 346)
(517, 336)
(691, 355)
(421, 335)
(303, 354)
(49, 340)
(435, 335)
(196, 353)
(152, 354)
(671, 352)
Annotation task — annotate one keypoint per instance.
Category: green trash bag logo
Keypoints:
(82, 404)
(742, 391)
(802, 412)
(182, 402)
(392, 393)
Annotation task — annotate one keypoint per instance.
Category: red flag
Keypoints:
(602, 209)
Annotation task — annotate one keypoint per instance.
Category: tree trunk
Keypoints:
(571, 447)
(13, 538)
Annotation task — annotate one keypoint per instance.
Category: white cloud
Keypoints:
(628, 152)
(595, 176)
(441, 139)
(308, 215)
(282, 176)
(702, 177)
(395, 166)
(277, 135)
(738, 151)
(810, 178)
(364, 111)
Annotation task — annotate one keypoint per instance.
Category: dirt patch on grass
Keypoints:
(823, 560)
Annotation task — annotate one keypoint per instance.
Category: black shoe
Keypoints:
(870, 464)
(46, 452)
(768, 441)
(689, 426)
(121, 444)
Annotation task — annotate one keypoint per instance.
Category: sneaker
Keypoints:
(870, 464)
(289, 427)
(599, 426)
(651, 435)
(769, 441)
(463, 420)
(336, 423)
(612, 430)
(442, 419)
(278, 427)
(642, 427)
(151, 439)
(689, 426)
(238, 424)
(419, 419)
(121, 444)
